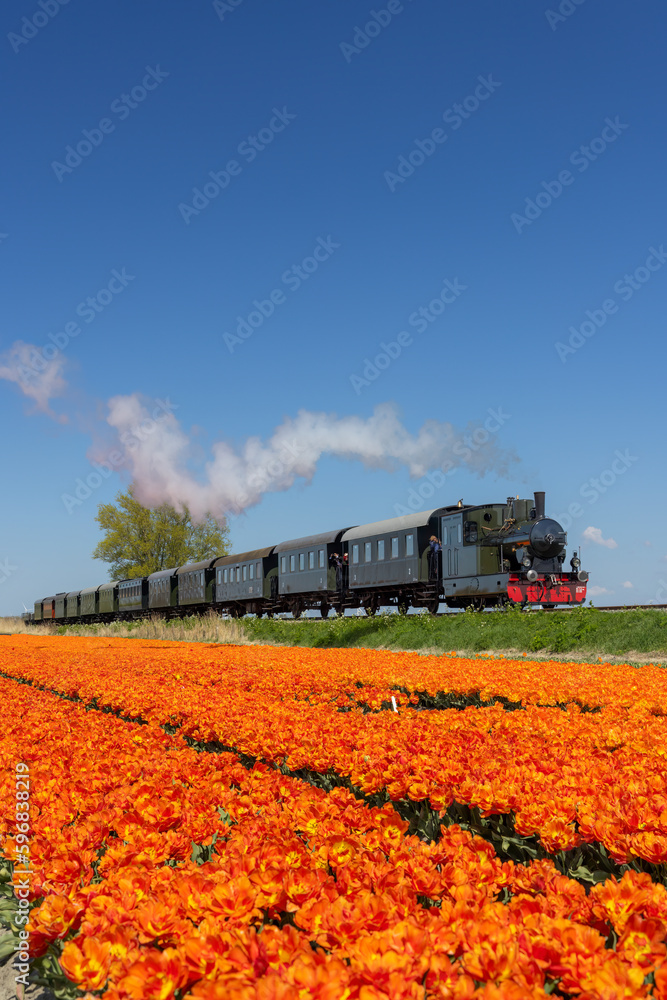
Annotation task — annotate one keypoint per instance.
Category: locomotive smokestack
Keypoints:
(539, 506)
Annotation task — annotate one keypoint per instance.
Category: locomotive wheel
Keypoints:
(371, 606)
(403, 605)
(297, 608)
(235, 612)
(325, 608)
(433, 605)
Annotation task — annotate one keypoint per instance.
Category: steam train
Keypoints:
(465, 556)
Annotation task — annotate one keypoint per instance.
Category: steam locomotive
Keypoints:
(462, 555)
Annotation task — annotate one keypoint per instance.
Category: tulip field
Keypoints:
(216, 822)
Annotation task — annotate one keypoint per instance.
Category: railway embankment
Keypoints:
(633, 635)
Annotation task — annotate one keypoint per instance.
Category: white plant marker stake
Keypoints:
(393, 701)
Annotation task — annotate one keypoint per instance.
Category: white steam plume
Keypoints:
(38, 378)
(158, 454)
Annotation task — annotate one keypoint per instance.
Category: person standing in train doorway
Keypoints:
(337, 563)
(434, 550)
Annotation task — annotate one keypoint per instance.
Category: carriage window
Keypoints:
(321, 558)
(292, 563)
(283, 564)
(258, 570)
(368, 551)
(394, 548)
(409, 545)
(311, 560)
(252, 571)
(355, 554)
(381, 550)
(470, 531)
(224, 576)
(245, 573)
(302, 560)
(444, 536)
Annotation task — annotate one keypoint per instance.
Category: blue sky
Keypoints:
(323, 172)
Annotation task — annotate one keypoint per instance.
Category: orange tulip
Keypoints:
(88, 965)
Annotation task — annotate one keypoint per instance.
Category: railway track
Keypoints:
(458, 611)
(567, 607)
(632, 607)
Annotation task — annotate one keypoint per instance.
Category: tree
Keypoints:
(142, 540)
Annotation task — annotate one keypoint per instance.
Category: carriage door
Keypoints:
(452, 543)
(457, 559)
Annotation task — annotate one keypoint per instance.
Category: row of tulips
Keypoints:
(344, 676)
(569, 777)
(161, 872)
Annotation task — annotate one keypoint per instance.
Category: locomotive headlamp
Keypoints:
(525, 562)
(582, 576)
(532, 576)
(575, 563)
